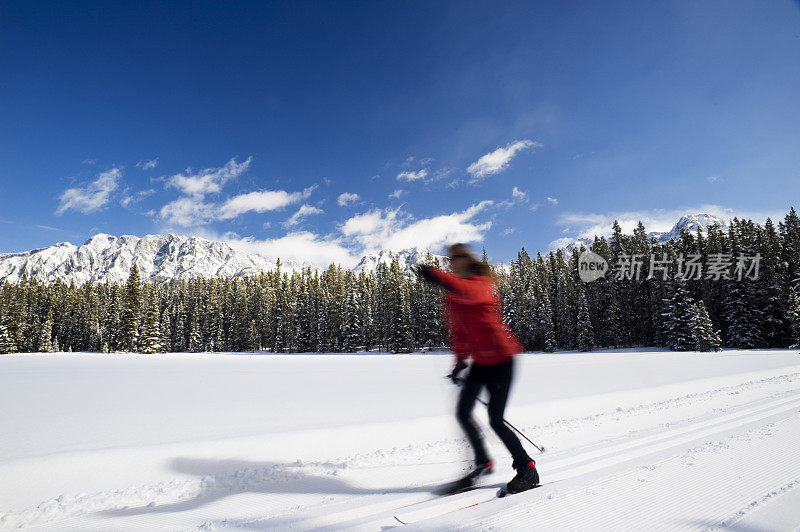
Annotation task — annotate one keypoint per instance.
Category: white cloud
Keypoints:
(297, 247)
(397, 194)
(507, 231)
(261, 201)
(91, 196)
(132, 199)
(535, 206)
(712, 178)
(347, 198)
(396, 230)
(187, 212)
(147, 165)
(413, 176)
(192, 209)
(302, 212)
(208, 181)
(498, 160)
(552, 201)
(517, 197)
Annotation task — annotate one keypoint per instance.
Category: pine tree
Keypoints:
(351, 327)
(741, 309)
(180, 331)
(195, 338)
(6, 345)
(546, 329)
(678, 318)
(46, 334)
(166, 331)
(241, 320)
(793, 317)
(252, 337)
(279, 320)
(150, 341)
(400, 332)
(131, 311)
(584, 323)
(565, 304)
(705, 337)
(772, 285)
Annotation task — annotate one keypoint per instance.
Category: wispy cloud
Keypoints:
(187, 212)
(48, 228)
(303, 212)
(517, 197)
(397, 194)
(413, 161)
(552, 201)
(208, 181)
(132, 199)
(91, 196)
(192, 209)
(147, 165)
(413, 176)
(713, 178)
(346, 198)
(498, 160)
(261, 201)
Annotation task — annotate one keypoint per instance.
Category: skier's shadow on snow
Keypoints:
(223, 478)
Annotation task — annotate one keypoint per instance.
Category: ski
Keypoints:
(415, 516)
(446, 503)
(502, 492)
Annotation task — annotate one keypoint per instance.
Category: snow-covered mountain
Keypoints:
(106, 257)
(406, 258)
(690, 222)
(160, 258)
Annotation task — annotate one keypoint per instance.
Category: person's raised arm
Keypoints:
(467, 291)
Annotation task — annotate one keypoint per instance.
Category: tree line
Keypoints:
(545, 303)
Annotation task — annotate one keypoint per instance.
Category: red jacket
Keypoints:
(477, 329)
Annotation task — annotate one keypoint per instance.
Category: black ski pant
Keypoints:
(496, 378)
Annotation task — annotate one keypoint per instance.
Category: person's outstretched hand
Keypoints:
(423, 272)
(459, 367)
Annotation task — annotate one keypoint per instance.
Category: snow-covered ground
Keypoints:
(635, 440)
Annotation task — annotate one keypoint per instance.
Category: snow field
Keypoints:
(639, 440)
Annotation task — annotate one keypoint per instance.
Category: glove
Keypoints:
(423, 273)
(459, 367)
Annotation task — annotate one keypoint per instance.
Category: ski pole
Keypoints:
(541, 449)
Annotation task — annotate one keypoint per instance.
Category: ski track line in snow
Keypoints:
(600, 459)
(356, 507)
(727, 481)
(662, 444)
(177, 490)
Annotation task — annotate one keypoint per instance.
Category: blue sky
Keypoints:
(318, 131)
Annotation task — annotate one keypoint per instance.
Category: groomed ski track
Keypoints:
(717, 452)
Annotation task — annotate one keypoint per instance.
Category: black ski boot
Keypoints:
(467, 482)
(526, 478)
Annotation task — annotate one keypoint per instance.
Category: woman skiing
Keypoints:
(477, 332)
